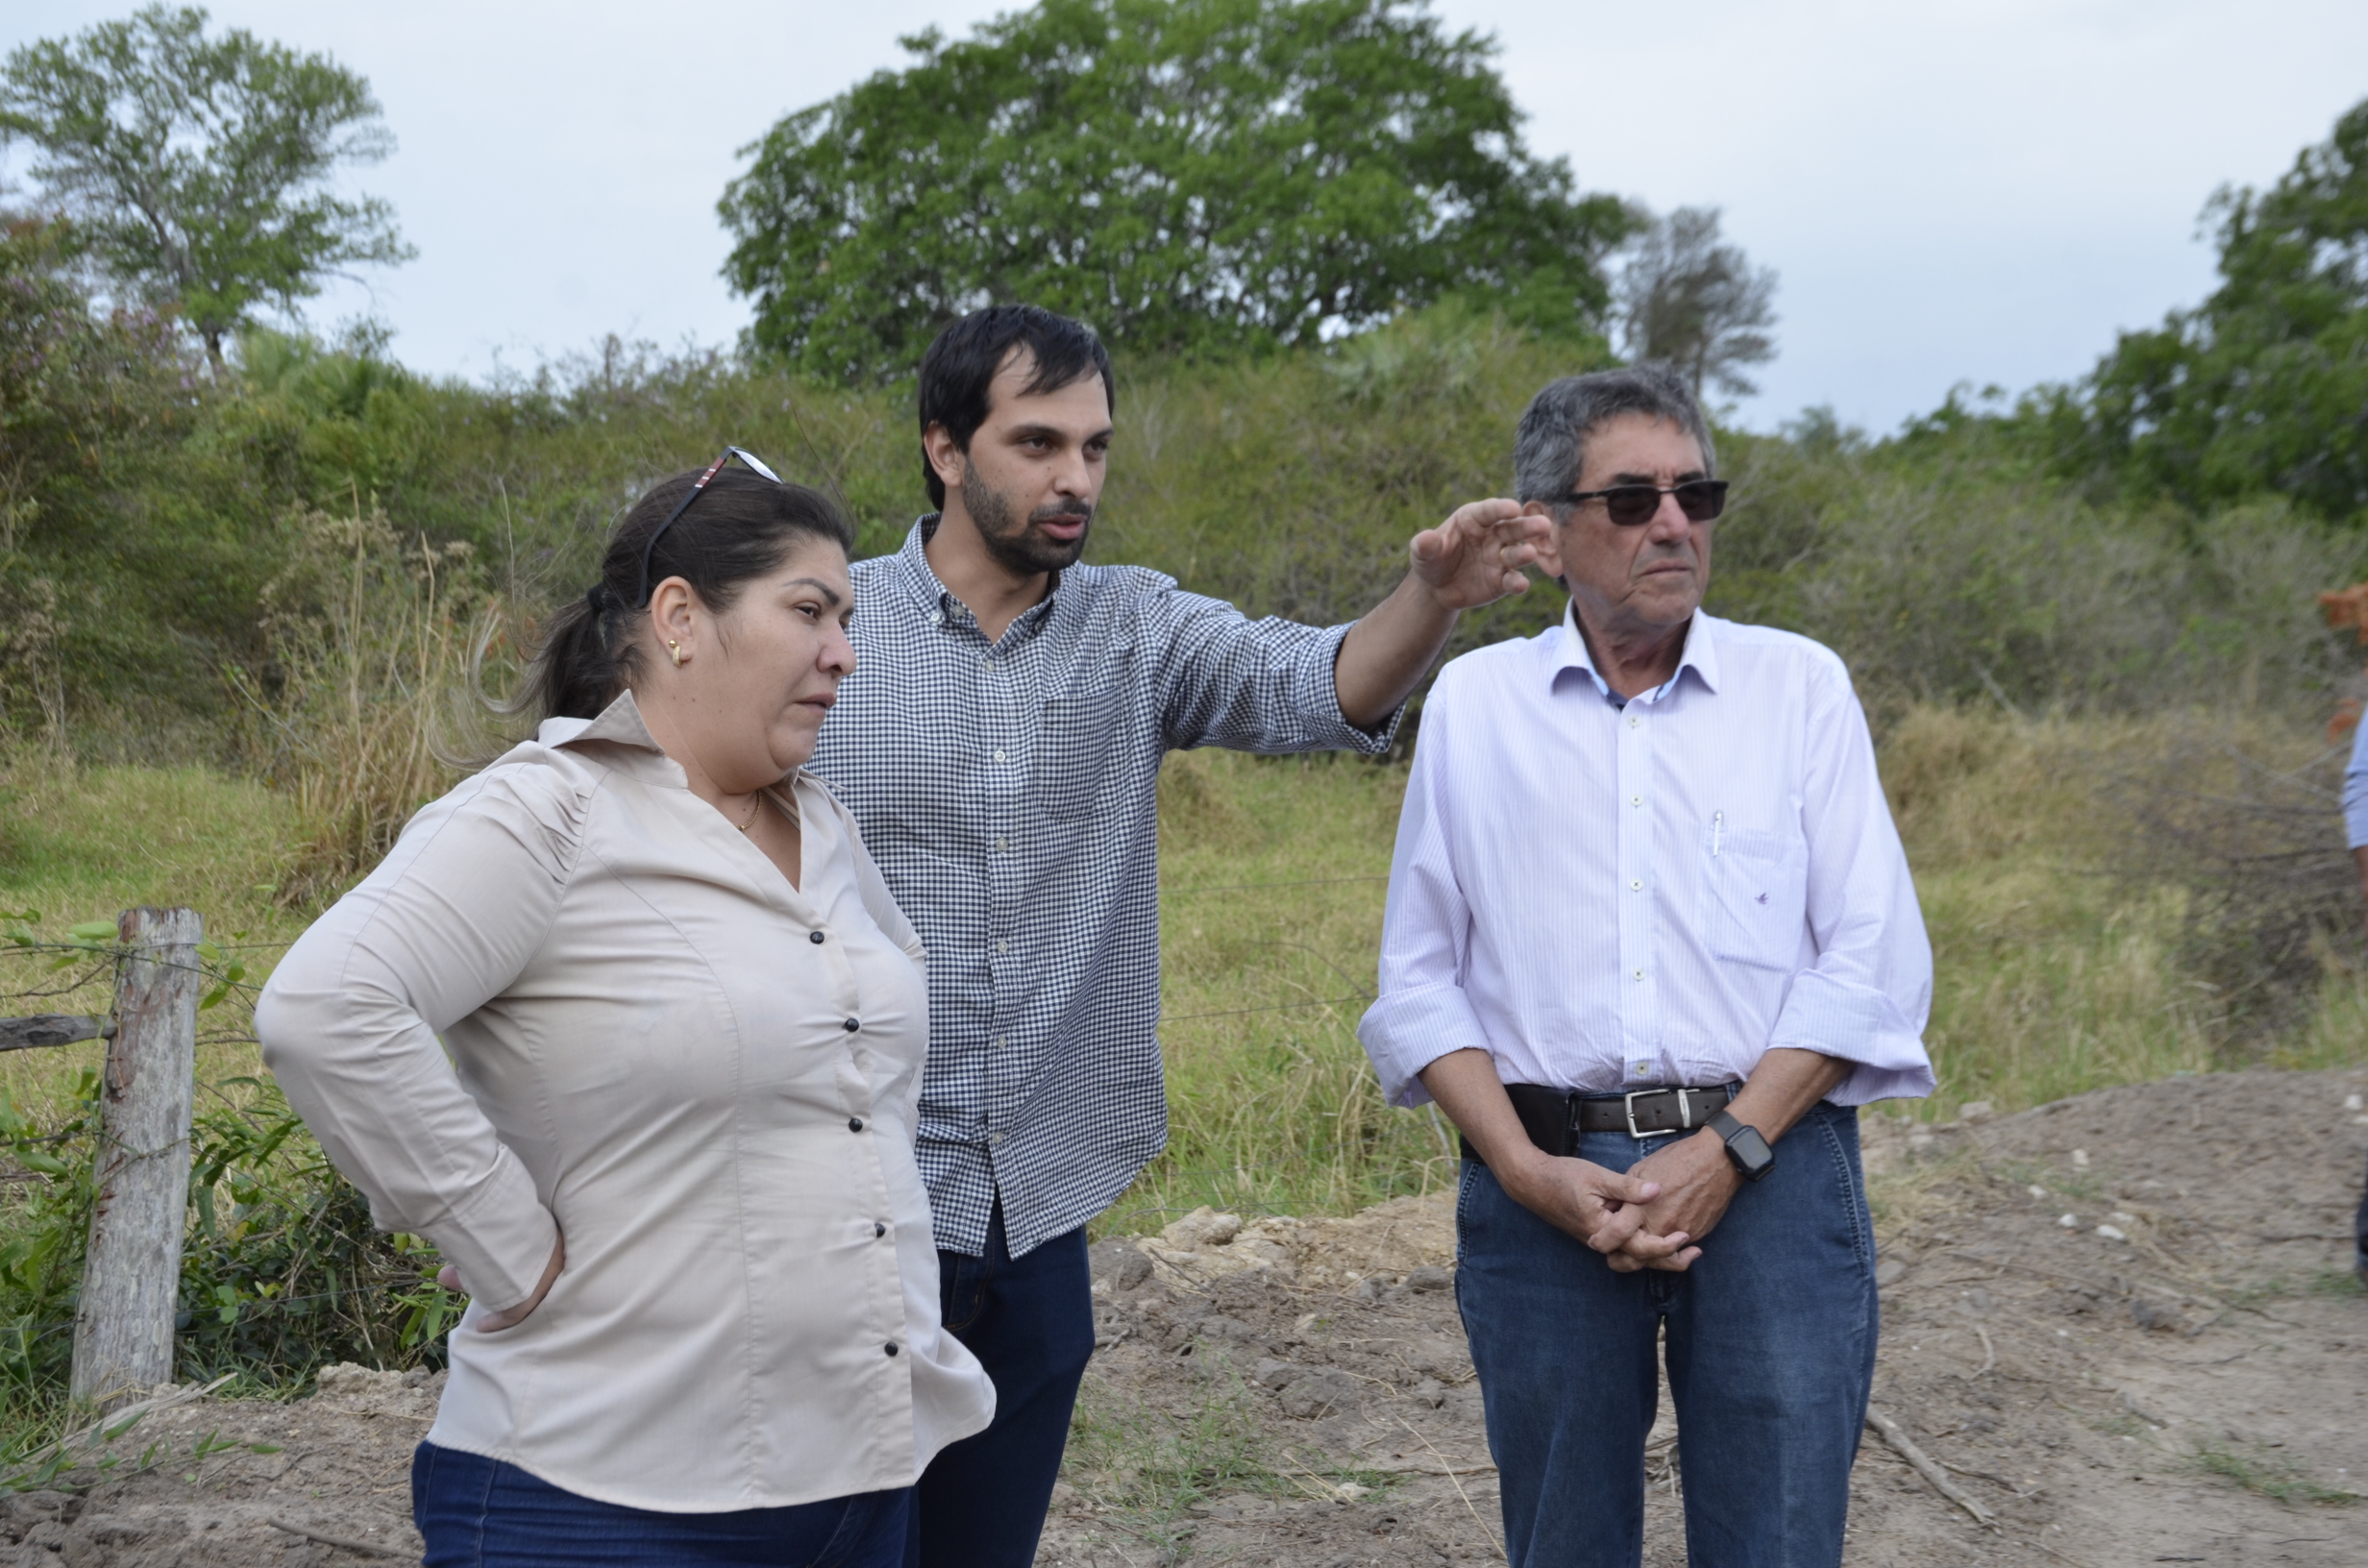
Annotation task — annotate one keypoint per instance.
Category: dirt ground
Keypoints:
(2183, 1384)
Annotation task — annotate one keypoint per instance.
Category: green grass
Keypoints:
(2266, 1473)
(1147, 1473)
(1273, 879)
(2051, 979)
(82, 844)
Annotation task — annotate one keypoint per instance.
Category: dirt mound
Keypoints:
(2120, 1327)
(231, 1484)
(1381, 1245)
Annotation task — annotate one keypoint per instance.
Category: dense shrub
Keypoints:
(1942, 564)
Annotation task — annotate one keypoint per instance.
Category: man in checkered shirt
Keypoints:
(999, 743)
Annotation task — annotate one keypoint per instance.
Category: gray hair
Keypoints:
(1549, 450)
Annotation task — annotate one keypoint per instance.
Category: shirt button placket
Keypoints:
(1638, 1028)
(1003, 691)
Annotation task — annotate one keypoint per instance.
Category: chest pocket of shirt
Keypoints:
(1084, 729)
(1755, 895)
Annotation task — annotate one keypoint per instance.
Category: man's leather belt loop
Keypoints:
(1555, 1118)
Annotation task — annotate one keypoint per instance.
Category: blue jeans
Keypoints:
(475, 1512)
(2359, 1240)
(1771, 1347)
(1030, 1322)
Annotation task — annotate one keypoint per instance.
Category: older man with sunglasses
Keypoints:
(1651, 941)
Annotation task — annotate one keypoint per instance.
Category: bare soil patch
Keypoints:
(1297, 1392)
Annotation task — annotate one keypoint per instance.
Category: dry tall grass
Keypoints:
(2063, 929)
(373, 639)
(2069, 952)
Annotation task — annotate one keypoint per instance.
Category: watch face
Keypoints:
(1752, 1150)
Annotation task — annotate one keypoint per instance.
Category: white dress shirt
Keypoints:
(703, 1076)
(1609, 897)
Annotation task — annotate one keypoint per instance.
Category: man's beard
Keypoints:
(1015, 544)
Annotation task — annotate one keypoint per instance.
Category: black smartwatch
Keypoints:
(1744, 1145)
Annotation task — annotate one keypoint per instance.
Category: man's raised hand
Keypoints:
(1477, 556)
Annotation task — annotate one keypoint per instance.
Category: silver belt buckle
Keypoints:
(1685, 1114)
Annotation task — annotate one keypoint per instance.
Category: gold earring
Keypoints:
(676, 648)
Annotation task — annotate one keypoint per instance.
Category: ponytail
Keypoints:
(743, 528)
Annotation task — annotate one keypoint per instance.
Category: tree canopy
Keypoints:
(196, 168)
(2264, 385)
(1185, 175)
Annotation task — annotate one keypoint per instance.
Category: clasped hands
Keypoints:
(1653, 1216)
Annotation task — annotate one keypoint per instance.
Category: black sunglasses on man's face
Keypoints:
(756, 466)
(1633, 504)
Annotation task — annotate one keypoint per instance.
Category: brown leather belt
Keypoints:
(1555, 1118)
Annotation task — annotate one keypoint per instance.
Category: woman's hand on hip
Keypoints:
(448, 1278)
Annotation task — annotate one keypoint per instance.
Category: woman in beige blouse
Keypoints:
(665, 1140)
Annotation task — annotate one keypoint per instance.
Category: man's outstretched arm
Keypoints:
(1475, 557)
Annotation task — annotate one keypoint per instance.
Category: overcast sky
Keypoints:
(1959, 190)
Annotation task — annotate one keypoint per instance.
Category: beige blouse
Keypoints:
(704, 1076)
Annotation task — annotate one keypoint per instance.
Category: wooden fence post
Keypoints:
(123, 1331)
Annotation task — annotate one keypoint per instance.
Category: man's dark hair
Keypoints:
(1550, 450)
(960, 366)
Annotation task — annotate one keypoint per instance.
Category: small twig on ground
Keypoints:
(1905, 1447)
(364, 1548)
(1989, 1351)
(1486, 1533)
(1984, 1475)
(1325, 1491)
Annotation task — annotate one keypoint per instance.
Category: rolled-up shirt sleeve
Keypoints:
(1422, 1012)
(1265, 685)
(350, 1020)
(1865, 998)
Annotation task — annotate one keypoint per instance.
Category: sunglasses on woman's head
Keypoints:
(756, 465)
(1632, 504)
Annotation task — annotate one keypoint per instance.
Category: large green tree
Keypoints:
(197, 168)
(2264, 385)
(1185, 175)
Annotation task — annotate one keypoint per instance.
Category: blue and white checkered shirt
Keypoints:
(1008, 793)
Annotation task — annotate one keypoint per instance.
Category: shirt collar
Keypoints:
(620, 721)
(621, 725)
(1700, 655)
(919, 579)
